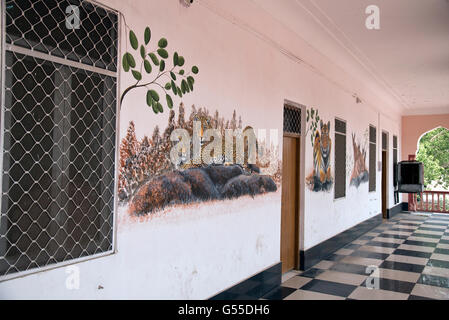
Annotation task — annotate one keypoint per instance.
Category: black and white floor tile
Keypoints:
(406, 257)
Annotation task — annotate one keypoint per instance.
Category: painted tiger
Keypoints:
(317, 159)
(322, 145)
(325, 147)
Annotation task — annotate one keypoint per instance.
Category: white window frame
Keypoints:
(3, 47)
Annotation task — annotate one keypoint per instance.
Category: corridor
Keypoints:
(409, 255)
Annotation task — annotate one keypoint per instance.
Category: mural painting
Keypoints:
(150, 180)
(320, 179)
(359, 171)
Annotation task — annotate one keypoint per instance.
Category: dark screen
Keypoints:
(410, 173)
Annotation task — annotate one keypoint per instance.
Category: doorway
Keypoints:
(384, 174)
(290, 189)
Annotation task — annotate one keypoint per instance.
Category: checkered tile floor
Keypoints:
(409, 255)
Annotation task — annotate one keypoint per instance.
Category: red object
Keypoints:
(437, 203)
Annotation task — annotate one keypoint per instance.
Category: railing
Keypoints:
(431, 201)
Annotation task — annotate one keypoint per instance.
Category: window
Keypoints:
(59, 127)
(372, 158)
(340, 159)
(292, 120)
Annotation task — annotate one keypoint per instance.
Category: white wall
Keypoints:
(324, 215)
(251, 66)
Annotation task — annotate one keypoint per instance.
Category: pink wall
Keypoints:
(178, 256)
(413, 127)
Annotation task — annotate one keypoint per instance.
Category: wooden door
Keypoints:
(384, 184)
(290, 204)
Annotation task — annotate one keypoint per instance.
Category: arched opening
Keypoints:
(433, 152)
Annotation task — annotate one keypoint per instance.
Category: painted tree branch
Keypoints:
(178, 81)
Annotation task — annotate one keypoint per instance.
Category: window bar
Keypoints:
(90, 71)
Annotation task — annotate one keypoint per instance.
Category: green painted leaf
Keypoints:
(125, 63)
(149, 99)
(169, 101)
(173, 75)
(183, 86)
(154, 58)
(154, 95)
(142, 51)
(159, 107)
(147, 35)
(162, 53)
(175, 59)
(147, 66)
(137, 75)
(155, 108)
(162, 43)
(133, 40)
(173, 87)
(162, 66)
(129, 57)
(195, 70)
(168, 86)
(190, 82)
(179, 91)
(181, 61)
(181, 72)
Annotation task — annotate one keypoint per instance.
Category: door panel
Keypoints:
(290, 203)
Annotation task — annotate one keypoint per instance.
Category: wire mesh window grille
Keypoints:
(340, 159)
(372, 158)
(292, 120)
(59, 127)
(41, 25)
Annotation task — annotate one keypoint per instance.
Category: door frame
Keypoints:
(301, 183)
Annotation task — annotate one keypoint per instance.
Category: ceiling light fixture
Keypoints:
(357, 99)
(186, 3)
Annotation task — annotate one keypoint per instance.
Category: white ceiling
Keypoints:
(408, 57)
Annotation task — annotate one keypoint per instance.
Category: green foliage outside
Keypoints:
(434, 154)
(152, 61)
